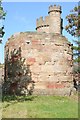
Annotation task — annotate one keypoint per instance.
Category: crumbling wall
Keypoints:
(49, 57)
(1, 74)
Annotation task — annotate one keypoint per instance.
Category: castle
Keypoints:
(51, 23)
(47, 53)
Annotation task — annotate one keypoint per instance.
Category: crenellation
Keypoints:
(41, 23)
(40, 20)
(54, 8)
(52, 23)
(46, 20)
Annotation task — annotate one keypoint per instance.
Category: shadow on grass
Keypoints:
(14, 98)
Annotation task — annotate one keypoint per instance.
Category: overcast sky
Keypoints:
(21, 17)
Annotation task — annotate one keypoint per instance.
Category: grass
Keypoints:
(40, 107)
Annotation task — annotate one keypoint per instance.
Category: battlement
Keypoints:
(41, 22)
(51, 23)
(54, 8)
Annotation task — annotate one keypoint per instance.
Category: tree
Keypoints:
(17, 78)
(2, 17)
(73, 28)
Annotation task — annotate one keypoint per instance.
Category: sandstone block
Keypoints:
(31, 61)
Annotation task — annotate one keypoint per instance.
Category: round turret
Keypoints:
(54, 8)
(55, 25)
(42, 25)
(51, 23)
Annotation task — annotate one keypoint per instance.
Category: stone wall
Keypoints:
(1, 79)
(51, 23)
(50, 59)
(1, 74)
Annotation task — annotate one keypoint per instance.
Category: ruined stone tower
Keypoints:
(51, 23)
(47, 53)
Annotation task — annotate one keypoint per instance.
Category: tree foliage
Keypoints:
(73, 22)
(17, 75)
(73, 28)
(2, 17)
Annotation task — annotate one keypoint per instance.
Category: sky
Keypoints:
(21, 17)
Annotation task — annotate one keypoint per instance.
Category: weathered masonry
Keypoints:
(48, 54)
(51, 23)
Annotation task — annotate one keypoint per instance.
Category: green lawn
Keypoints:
(40, 107)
